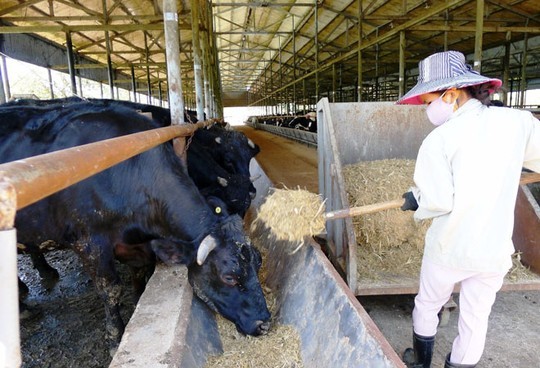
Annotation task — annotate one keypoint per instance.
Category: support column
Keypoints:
(133, 83)
(359, 67)
(3, 73)
(71, 63)
(9, 290)
(51, 84)
(197, 66)
(402, 45)
(172, 46)
(478, 36)
(148, 82)
(523, 81)
(110, 72)
(506, 68)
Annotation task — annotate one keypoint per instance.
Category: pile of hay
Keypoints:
(519, 272)
(291, 214)
(279, 348)
(390, 241)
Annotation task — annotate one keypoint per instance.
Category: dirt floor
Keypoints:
(67, 327)
(67, 323)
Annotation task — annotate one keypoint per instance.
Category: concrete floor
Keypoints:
(514, 331)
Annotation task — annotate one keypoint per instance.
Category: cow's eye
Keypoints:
(229, 280)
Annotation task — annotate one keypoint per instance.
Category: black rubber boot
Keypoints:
(447, 364)
(419, 356)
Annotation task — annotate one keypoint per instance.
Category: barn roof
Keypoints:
(277, 48)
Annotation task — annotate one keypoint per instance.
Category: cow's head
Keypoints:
(227, 279)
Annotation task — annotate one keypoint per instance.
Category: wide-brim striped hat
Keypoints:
(444, 70)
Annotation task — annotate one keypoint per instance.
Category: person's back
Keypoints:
(485, 149)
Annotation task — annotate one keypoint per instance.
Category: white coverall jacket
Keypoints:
(467, 176)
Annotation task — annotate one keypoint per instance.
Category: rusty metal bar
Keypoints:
(37, 177)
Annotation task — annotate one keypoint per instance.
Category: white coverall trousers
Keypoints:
(477, 295)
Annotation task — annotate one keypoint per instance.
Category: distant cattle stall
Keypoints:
(141, 211)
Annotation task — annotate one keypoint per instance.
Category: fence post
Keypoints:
(10, 352)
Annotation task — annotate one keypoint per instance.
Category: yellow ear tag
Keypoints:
(218, 209)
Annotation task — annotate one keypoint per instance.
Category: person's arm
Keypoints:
(434, 189)
(532, 151)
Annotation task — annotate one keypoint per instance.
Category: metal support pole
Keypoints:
(523, 81)
(10, 350)
(71, 63)
(334, 82)
(110, 72)
(478, 36)
(402, 45)
(359, 71)
(160, 94)
(506, 67)
(197, 66)
(172, 46)
(316, 51)
(3, 97)
(294, 99)
(51, 84)
(148, 84)
(133, 83)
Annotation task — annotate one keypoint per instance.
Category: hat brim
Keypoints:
(465, 80)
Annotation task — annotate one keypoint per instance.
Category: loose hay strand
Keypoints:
(292, 214)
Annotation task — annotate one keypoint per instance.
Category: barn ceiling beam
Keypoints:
(485, 29)
(85, 28)
(418, 19)
(253, 33)
(262, 4)
(15, 8)
(514, 10)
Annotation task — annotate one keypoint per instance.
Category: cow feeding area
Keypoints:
(279, 348)
(291, 214)
(391, 242)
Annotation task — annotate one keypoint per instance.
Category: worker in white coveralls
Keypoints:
(466, 179)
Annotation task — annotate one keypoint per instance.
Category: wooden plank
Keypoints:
(406, 284)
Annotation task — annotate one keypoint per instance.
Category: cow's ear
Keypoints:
(172, 253)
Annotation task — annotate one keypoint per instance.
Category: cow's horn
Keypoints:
(251, 144)
(222, 181)
(207, 245)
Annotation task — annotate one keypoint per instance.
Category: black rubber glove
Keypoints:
(410, 202)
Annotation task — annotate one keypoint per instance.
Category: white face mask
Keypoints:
(439, 112)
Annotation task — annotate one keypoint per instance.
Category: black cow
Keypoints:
(222, 171)
(146, 200)
(213, 180)
(306, 122)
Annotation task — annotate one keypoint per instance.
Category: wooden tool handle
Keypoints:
(528, 178)
(364, 210)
